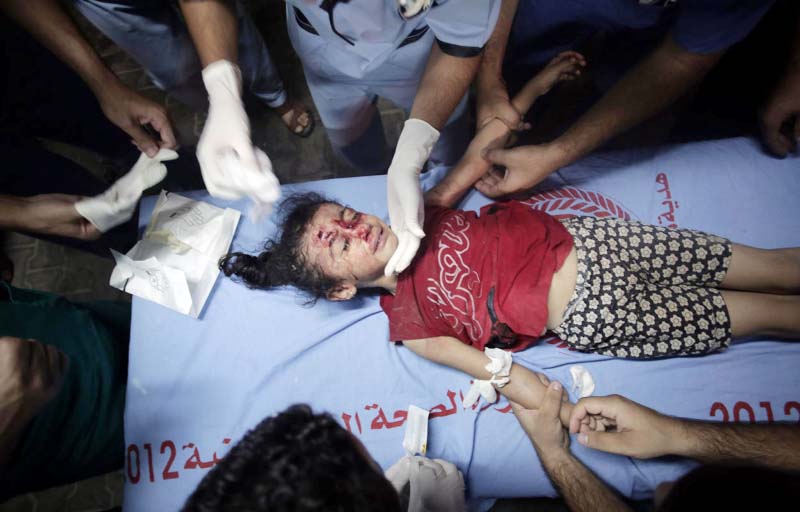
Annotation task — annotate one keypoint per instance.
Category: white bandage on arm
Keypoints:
(500, 367)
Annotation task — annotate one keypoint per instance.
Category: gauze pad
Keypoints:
(500, 367)
(116, 205)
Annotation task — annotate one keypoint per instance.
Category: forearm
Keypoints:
(490, 72)
(214, 29)
(664, 76)
(523, 387)
(51, 26)
(775, 445)
(444, 83)
(14, 213)
(579, 487)
(470, 168)
(494, 134)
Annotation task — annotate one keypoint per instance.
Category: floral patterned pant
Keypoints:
(646, 291)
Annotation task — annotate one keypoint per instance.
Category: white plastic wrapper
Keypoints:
(175, 263)
(582, 381)
(415, 439)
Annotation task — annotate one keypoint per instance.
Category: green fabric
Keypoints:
(79, 433)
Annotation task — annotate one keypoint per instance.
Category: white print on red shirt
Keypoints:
(458, 286)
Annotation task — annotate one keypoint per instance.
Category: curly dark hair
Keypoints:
(282, 262)
(296, 461)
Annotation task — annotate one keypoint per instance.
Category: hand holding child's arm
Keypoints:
(524, 387)
(495, 134)
(618, 425)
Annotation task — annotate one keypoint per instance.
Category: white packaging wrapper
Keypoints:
(582, 381)
(175, 263)
(415, 440)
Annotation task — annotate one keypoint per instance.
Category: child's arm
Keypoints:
(524, 387)
(495, 134)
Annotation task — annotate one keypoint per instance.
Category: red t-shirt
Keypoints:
(480, 278)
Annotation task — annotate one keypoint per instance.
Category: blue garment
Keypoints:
(542, 28)
(358, 51)
(154, 34)
(364, 34)
(79, 433)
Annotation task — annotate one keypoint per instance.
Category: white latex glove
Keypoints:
(435, 484)
(232, 168)
(117, 204)
(404, 193)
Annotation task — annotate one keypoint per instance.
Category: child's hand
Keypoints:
(564, 66)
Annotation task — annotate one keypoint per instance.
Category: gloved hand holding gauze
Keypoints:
(117, 204)
(436, 485)
(232, 167)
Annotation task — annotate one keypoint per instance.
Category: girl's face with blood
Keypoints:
(347, 245)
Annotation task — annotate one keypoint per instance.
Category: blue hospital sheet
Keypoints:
(196, 385)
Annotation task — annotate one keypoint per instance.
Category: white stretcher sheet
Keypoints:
(196, 385)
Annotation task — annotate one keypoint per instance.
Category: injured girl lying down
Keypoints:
(486, 284)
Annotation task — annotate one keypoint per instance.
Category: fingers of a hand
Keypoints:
(159, 120)
(403, 239)
(552, 400)
(515, 407)
(606, 407)
(216, 180)
(574, 56)
(392, 264)
(771, 122)
(542, 378)
(412, 224)
(489, 184)
(143, 141)
(511, 117)
(497, 156)
(246, 155)
(166, 155)
(582, 414)
(89, 231)
(600, 425)
(614, 442)
(268, 190)
(410, 249)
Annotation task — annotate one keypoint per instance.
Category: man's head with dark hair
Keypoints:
(296, 461)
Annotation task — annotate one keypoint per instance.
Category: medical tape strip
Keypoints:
(500, 367)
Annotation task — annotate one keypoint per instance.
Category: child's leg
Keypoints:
(764, 270)
(763, 314)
